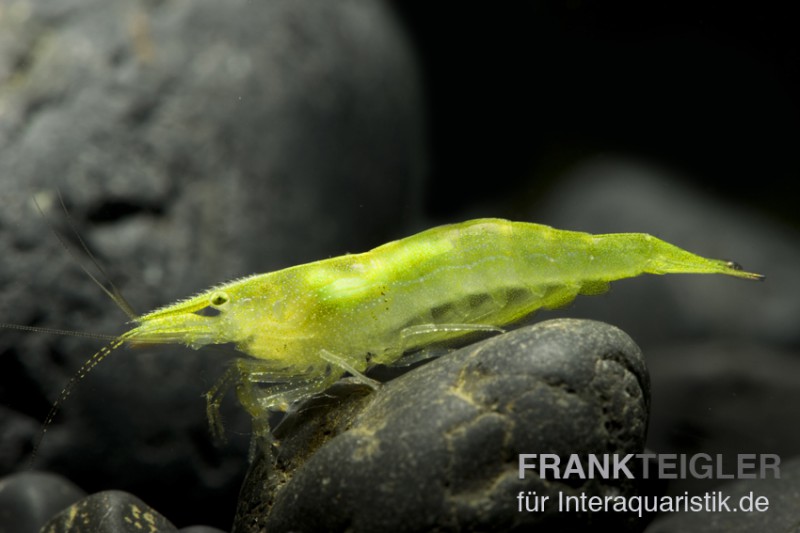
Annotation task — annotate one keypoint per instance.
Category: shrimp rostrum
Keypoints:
(306, 326)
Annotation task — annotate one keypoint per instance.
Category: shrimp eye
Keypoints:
(219, 298)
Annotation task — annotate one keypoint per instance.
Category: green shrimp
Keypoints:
(306, 326)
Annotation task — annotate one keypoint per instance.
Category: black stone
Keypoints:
(29, 499)
(438, 447)
(200, 529)
(112, 511)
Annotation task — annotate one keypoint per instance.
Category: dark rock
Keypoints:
(29, 499)
(438, 447)
(111, 511)
(193, 143)
(782, 513)
(200, 529)
(724, 398)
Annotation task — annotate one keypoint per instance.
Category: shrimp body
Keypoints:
(305, 326)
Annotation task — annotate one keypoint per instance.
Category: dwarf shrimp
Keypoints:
(306, 326)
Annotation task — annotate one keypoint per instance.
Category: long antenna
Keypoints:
(62, 332)
(115, 342)
(116, 296)
(87, 367)
(114, 293)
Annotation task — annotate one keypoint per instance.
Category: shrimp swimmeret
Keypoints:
(304, 327)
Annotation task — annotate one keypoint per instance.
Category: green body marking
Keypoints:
(305, 326)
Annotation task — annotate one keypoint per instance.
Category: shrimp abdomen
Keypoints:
(486, 271)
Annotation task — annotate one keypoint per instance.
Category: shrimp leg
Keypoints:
(340, 362)
(248, 376)
(433, 329)
(411, 336)
(215, 395)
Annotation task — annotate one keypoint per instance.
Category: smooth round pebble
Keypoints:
(438, 448)
(111, 511)
(28, 499)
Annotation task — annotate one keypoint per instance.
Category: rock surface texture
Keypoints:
(437, 449)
